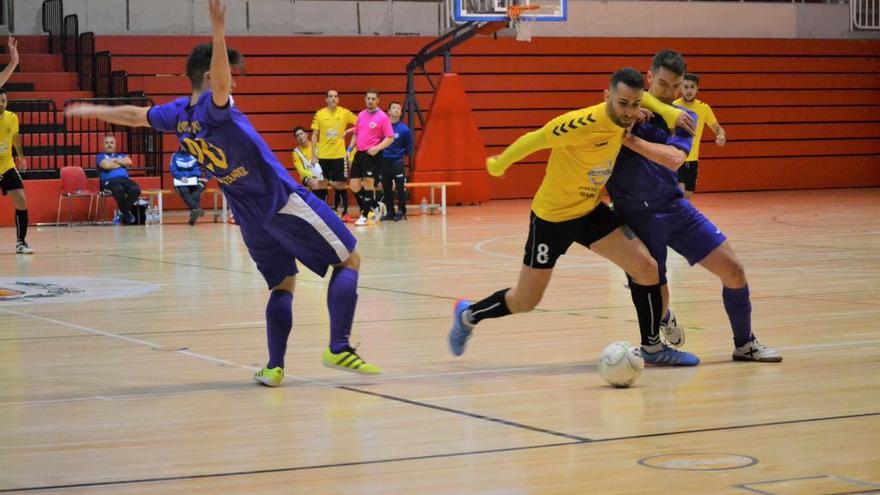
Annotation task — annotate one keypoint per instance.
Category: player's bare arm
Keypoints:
(12, 46)
(720, 135)
(19, 150)
(381, 146)
(127, 115)
(661, 154)
(221, 75)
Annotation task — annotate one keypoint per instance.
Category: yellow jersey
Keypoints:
(331, 131)
(301, 157)
(704, 116)
(585, 144)
(8, 130)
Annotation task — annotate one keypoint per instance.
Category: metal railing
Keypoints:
(864, 15)
(53, 14)
(84, 138)
(85, 61)
(70, 42)
(40, 134)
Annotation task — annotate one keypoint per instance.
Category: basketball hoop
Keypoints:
(522, 24)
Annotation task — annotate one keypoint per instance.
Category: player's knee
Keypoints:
(737, 274)
(353, 261)
(644, 271)
(286, 285)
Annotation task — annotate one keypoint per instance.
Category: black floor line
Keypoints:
(279, 470)
(468, 414)
(422, 457)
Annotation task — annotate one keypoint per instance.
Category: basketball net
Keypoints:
(522, 25)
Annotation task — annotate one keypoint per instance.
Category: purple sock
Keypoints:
(739, 311)
(279, 320)
(341, 302)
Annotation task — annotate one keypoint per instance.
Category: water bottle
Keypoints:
(154, 215)
(424, 205)
(117, 217)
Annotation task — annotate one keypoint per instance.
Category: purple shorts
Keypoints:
(305, 230)
(679, 226)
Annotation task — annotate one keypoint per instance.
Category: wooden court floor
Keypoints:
(126, 357)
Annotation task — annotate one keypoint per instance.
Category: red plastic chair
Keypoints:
(74, 184)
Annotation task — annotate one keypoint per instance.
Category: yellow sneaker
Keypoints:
(270, 377)
(348, 360)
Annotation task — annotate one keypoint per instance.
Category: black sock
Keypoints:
(21, 224)
(649, 307)
(343, 193)
(359, 197)
(493, 306)
(337, 197)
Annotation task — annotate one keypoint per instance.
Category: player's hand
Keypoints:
(721, 140)
(12, 46)
(686, 122)
(373, 151)
(644, 115)
(218, 15)
(495, 169)
(22, 164)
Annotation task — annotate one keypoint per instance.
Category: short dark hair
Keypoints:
(671, 60)
(199, 62)
(395, 102)
(628, 76)
(297, 129)
(372, 91)
(690, 76)
(2, 91)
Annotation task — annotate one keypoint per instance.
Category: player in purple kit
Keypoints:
(644, 188)
(281, 222)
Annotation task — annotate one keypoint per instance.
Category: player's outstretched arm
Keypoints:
(674, 117)
(127, 115)
(521, 148)
(12, 46)
(221, 75)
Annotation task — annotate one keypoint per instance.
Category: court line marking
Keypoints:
(466, 413)
(411, 458)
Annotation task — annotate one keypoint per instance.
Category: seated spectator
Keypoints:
(114, 178)
(310, 173)
(189, 182)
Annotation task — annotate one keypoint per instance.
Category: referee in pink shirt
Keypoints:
(373, 133)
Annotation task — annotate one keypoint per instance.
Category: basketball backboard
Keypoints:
(496, 10)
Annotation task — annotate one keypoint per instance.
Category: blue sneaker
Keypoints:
(670, 357)
(130, 218)
(460, 333)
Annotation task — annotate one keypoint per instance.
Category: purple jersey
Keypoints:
(225, 142)
(639, 183)
(281, 222)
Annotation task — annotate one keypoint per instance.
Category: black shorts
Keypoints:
(549, 240)
(10, 181)
(687, 175)
(365, 165)
(333, 169)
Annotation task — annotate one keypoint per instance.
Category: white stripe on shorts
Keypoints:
(297, 206)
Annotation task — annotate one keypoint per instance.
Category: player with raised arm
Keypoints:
(281, 222)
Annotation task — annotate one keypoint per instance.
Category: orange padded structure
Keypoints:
(450, 148)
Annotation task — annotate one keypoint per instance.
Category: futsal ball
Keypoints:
(621, 364)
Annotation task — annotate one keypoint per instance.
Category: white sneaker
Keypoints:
(21, 247)
(672, 331)
(361, 221)
(756, 351)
